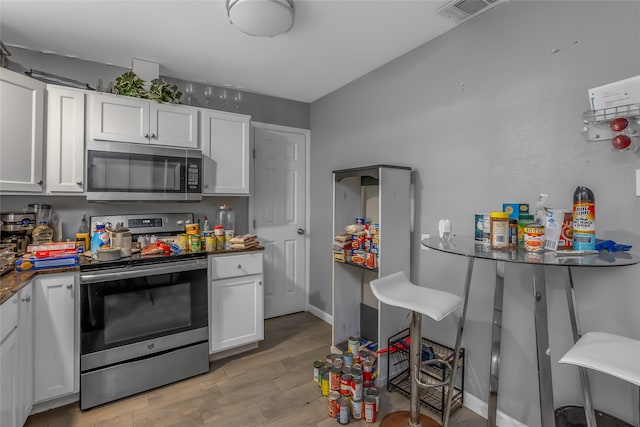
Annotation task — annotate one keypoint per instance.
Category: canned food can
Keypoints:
(367, 367)
(345, 370)
(321, 371)
(356, 388)
(195, 242)
(356, 372)
(316, 369)
(534, 237)
(356, 409)
(210, 242)
(334, 378)
(347, 357)
(374, 393)
(324, 385)
(333, 404)
(344, 408)
(370, 410)
(345, 385)
(183, 241)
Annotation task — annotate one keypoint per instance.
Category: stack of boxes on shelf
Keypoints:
(359, 244)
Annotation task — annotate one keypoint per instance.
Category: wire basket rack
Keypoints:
(399, 379)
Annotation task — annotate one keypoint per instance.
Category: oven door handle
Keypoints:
(174, 267)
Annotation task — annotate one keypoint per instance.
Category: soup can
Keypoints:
(195, 241)
(193, 228)
(345, 385)
(375, 394)
(334, 378)
(356, 409)
(333, 404)
(534, 237)
(316, 369)
(353, 345)
(344, 409)
(347, 357)
(324, 384)
(370, 411)
(183, 242)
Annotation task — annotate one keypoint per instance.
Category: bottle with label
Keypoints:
(83, 233)
(205, 226)
(499, 230)
(99, 239)
(42, 233)
(584, 220)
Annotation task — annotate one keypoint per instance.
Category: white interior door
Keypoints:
(279, 211)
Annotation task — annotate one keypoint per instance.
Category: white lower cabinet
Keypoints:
(56, 352)
(24, 390)
(236, 314)
(9, 375)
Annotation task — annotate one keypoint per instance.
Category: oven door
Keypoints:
(137, 311)
(123, 171)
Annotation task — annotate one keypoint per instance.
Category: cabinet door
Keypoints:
(65, 139)
(21, 133)
(24, 397)
(174, 125)
(55, 364)
(236, 312)
(226, 152)
(119, 118)
(8, 362)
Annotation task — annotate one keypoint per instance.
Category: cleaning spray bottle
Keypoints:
(584, 220)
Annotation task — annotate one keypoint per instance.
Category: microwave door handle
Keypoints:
(144, 271)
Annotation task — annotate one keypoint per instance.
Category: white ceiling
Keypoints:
(332, 42)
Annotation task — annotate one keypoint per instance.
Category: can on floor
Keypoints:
(344, 409)
(370, 411)
(321, 371)
(334, 378)
(353, 344)
(373, 392)
(345, 385)
(324, 384)
(367, 367)
(356, 409)
(356, 388)
(356, 372)
(316, 369)
(333, 404)
(347, 357)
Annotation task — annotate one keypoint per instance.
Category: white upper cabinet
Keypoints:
(127, 119)
(65, 139)
(226, 160)
(21, 132)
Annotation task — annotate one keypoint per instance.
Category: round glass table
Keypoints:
(467, 246)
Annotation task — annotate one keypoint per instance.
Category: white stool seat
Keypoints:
(396, 290)
(608, 353)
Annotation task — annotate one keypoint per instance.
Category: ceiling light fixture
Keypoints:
(262, 18)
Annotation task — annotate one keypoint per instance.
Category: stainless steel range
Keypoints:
(144, 320)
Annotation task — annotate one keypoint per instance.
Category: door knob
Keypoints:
(26, 299)
(300, 230)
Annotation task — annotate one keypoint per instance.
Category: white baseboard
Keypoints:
(54, 403)
(320, 314)
(482, 408)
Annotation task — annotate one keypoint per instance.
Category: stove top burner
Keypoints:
(138, 259)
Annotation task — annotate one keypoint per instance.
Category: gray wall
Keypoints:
(486, 114)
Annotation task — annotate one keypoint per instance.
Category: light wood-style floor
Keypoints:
(270, 386)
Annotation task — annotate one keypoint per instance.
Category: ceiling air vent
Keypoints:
(462, 10)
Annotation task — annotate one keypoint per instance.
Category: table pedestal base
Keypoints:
(573, 416)
(401, 419)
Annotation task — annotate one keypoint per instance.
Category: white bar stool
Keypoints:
(396, 290)
(608, 353)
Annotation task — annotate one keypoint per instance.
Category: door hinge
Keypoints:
(254, 224)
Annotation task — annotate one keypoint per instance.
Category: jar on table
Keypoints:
(499, 230)
(218, 231)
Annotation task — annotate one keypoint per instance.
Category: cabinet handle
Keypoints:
(69, 286)
(260, 283)
(79, 183)
(40, 182)
(146, 135)
(239, 266)
(153, 136)
(26, 299)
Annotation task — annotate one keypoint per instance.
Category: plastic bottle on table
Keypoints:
(42, 233)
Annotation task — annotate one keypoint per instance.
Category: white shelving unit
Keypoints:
(381, 194)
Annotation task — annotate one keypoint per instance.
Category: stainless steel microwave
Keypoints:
(127, 172)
